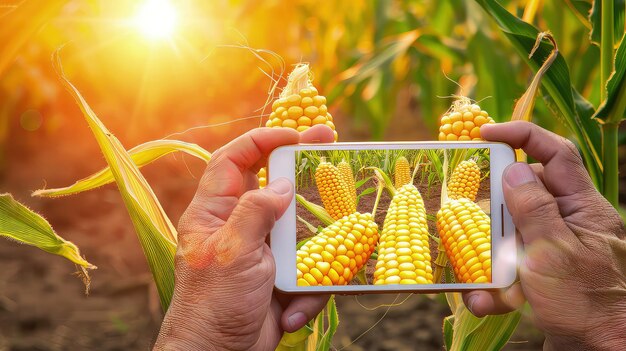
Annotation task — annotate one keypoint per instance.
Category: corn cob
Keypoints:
(333, 191)
(299, 106)
(463, 121)
(465, 231)
(335, 255)
(262, 175)
(345, 172)
(465, 181)
(403, 249)
(402, 172)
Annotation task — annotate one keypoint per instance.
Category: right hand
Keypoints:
(573, 269)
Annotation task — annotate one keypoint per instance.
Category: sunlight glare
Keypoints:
(156, 19)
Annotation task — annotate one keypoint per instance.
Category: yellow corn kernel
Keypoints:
(262, 175)
(463, 121)
(334, 192)
(345, 172)
(316, 269)
(402, 172)
(465, 230)
(299, 108)
(465, 181)
(403, 238)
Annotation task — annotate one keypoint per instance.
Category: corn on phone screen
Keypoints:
(388, 217)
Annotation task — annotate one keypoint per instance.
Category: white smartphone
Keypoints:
(416, 235)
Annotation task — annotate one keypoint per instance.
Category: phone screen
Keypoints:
(393, 216)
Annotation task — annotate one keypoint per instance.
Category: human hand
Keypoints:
(573, 269)
(224, 296)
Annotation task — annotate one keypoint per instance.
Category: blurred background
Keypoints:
(150, 68)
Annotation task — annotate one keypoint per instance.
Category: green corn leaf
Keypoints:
(154, 229)
(362, 182)
(612, 109)
(580, 9)
(332, 319)
(141, 155)
(364, 193)
(575, 110)
(595, 17)
(317, 210)
(490, 333)
(295, 341)
(448, 331)
(19, 223)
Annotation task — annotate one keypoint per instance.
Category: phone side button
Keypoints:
(502, 219)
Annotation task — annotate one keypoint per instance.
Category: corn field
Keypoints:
(162, 84)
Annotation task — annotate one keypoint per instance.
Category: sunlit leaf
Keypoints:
(20, 24)
(156, 233)
(595, 17)
(294, 341)
(141, 155)
(570, 104)
(612, 110)
(21, 224)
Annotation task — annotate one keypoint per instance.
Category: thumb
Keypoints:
(257, 211)
(534, 210)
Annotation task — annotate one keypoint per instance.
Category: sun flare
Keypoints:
(156, 19)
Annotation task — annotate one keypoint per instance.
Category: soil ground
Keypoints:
(43, 306)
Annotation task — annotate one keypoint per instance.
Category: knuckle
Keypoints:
(254, 201)
(571, 151)
(533, 203)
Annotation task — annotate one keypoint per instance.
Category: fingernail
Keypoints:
(518, 174)
(470, 303)
(280, 186)
(296, 320)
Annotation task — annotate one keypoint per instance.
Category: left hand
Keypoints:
(224, 296)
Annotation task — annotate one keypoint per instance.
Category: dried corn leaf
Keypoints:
(141, 155)
(524, 107)
(155, 231)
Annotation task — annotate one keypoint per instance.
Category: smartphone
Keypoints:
(393, 217)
